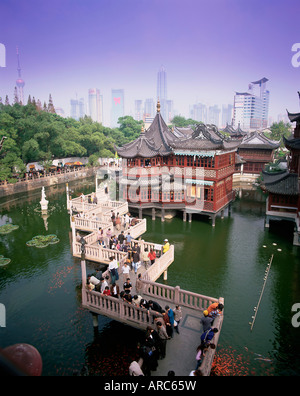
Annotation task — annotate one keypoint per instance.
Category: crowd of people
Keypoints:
(155, 342)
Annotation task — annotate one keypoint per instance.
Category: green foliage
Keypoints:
(278, 130)
(36, 135)
(182, 122)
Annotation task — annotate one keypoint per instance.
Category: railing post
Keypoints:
(73, 233)
(177, 295)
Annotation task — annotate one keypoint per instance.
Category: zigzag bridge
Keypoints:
(181, 350)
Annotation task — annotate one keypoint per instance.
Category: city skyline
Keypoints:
(210, 51)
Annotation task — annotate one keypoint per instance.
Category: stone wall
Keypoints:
(51, 180)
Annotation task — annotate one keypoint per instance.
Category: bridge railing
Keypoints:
(117, 309)
(177, 296)
(99, 254)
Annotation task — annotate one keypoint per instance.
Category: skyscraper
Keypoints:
(227, 115)
(214, 115)
(96, 105)
(251, 109)
(20, 82)
(117, 106)
(198, 112)
(162, 93)
(138, 110)
(77, 108)
(149, 108)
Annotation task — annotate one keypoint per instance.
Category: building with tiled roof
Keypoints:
(257, 151)
(179, 169)
(283, 187)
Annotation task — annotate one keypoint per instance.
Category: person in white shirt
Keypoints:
(125, 271)
(103, 285)
(113, 268)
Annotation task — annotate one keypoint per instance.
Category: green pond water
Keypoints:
(41, 288)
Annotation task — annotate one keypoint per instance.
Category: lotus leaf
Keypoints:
(42, 241)
(7, 228)
(4, 261)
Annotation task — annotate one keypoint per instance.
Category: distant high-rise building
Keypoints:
(251, 109)
(227, 114)
(169, 111)
(77, 108)
(162, 93)
(138, 110)
(149, 108)
(214, 115)
(20, 82)
(198, 112)
(117, 106)
(96, 105)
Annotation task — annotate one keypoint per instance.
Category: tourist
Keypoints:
(171, 318)
(100, 235)
(113, 269)
(167, 323)
(135, 370)
(153, 341)
(98, 274)
(208, 336)
(145, 258)
(90, 286)
(137, 300)
(215, 307)
(106, 291)
(154, 306)
(121, 238)
(127, 286)
(115, 290)
(126, 221)
(206, 321)
(108, 236)
(215, 310)
(135, 257)
(128, 238)
(195, 373)
(94, 281)
(163, 336)
(125, 271)
(152, 256)
(166, 246)
(127, 297)
(139, 283)
(177, 317)
(199, 355)
(118, 222)
(103, 285)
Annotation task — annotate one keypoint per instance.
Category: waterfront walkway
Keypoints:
(181, 349)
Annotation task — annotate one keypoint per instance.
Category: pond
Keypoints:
(41, 287)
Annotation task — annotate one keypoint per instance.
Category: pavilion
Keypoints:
(283, 187)
(179, 169)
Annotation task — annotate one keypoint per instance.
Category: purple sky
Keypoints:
(210, 49)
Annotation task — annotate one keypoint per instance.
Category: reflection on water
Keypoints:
(41, 288)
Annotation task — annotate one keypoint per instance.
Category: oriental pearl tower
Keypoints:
(20, 82)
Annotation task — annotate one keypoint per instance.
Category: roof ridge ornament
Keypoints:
(158, 106)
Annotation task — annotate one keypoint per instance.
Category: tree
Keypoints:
(182, 122)
(130, 128)
(280, 129)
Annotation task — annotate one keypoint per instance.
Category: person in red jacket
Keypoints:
(152, 256)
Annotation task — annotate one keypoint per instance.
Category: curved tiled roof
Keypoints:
(283, 183)
(292, 143)
(259, 141)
